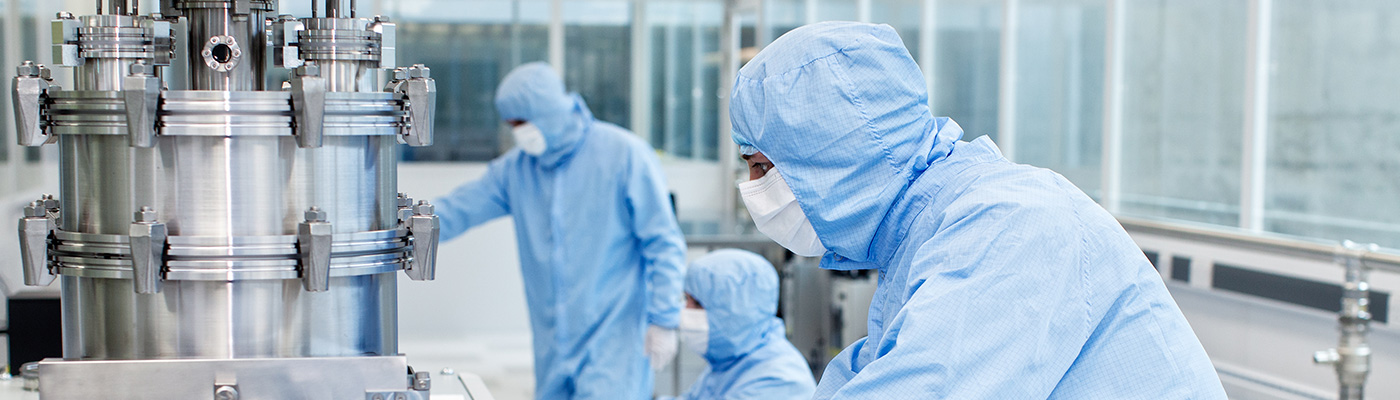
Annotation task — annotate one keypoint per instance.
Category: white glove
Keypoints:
(660, 346)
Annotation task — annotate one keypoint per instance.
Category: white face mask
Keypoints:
(529, 138)
(695, 330)
(775, 211)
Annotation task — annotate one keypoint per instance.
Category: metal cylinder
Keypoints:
(227, 46)
(255, 182)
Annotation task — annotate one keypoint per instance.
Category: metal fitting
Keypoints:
(141, 68)
(419, 71)
(422, 380)
(315, 214)
(145, 214)
(226, 392)
(314, 243)
(27, 68)
(50, 203)
(35, 209)
(400, 73)
(382, 18)
(423, 208)
(308, 69)
(64, 15)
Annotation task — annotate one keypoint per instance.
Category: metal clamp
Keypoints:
(314, 243)
(423, 226)
(161, 38)
(141, 95)
(309, 105)
(405, 208)
(65, 40)
(420, 91)
(286, 44)
(35, 229)
(148, 244)
(387, 39)
(31, 86)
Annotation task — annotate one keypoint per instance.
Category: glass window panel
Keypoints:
(784, 15)
(1334, 114)
(597, 56)
(836, 10)
(1183, 109)
(685, 76)
(905, 16)
(1060, 75)
(470, 47)
(966, 73)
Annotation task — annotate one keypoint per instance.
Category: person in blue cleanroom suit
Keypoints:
(996, 280)
(730, 321)
(600, 251)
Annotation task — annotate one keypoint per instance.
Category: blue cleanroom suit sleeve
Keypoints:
(475, 202)
(660, 239)
(995, 326)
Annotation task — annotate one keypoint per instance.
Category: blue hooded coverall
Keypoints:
(749, 354)
(996, 280)
(600, 251)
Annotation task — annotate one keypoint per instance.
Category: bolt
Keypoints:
(381, 18)
(27, 68)
(44, 72)
(378, 396)
(423, 208)
(141, 68)
(400, 396)
(215, 39)
(50, 203)
(226, 393)
(308, 69)
(34, 210)
(404, 201)
(146, 214)
(65, 15)
(418, 71)
(287, 17)
(157, 16)
(399, 73)
(314, 214)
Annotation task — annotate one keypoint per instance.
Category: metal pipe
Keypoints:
(118, 7)
(1352, 356)
(333, 9)
(313, 10)
(135, 7)
(99, 7)
(352, 8)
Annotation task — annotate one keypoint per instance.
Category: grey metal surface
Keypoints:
(251, 379)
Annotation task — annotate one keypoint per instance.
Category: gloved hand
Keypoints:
(660, 346)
